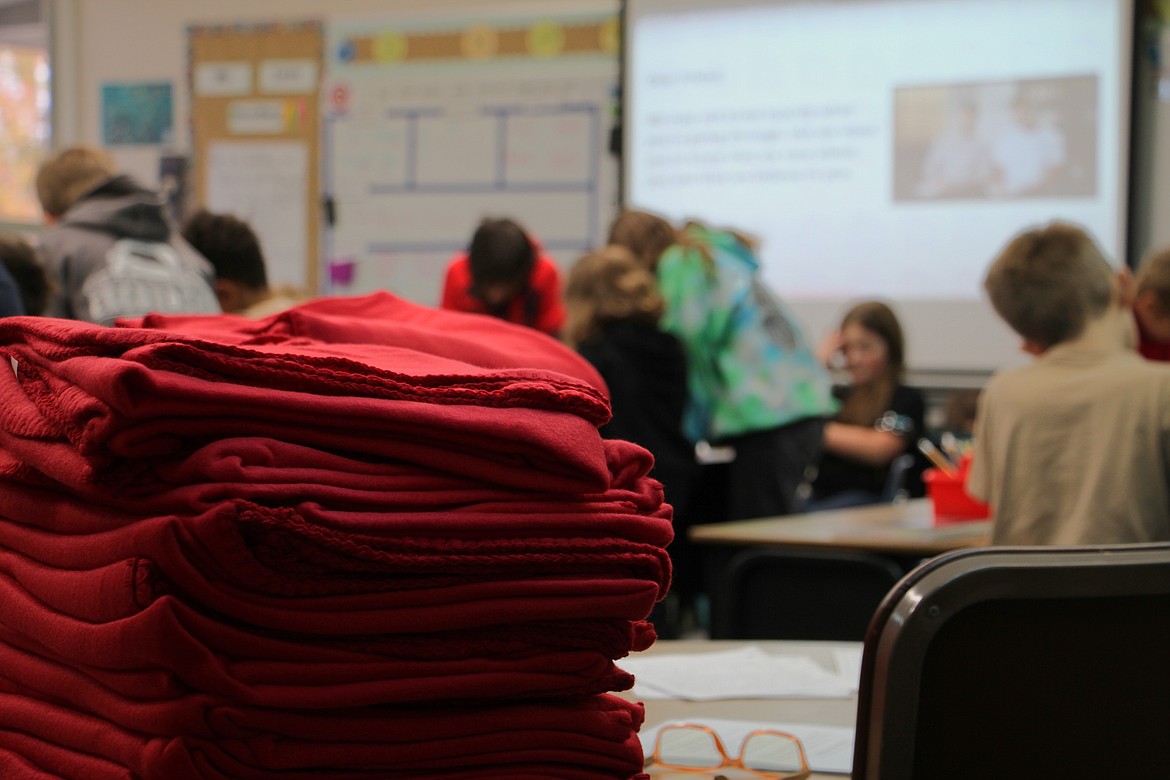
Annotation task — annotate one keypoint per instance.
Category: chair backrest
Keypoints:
(772, 593)
(1020, 662)
(895, 488)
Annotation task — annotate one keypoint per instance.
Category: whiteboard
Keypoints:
(434, 124)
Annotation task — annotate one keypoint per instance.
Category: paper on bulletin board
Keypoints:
(223, 79)
(266, 184)
(289, 76)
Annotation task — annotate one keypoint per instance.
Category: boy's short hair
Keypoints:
(1154, 277)
(500, 253)
(1049, 282)
(67, 175)
(231, 246)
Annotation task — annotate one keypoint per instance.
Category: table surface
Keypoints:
(827, 712)
(906, 528)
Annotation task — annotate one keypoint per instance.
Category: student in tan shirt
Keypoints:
(1073, 448)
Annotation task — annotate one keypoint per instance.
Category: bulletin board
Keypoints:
(432, 125)
(256, 123)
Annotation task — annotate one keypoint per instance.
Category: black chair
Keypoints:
(896, 478)
(772, 593)
(1020, 662)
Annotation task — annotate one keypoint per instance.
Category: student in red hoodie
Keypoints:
(504, 273)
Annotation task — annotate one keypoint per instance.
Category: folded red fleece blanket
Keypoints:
(123, 588)
(309, 550)
(100, 410)
(170, 647)
(61, 741)
(381, 318)
(401, 500)
(201, 714)
(206, 561)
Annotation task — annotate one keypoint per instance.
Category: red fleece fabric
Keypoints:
(357, 539)
(382, 318)
(74, 744)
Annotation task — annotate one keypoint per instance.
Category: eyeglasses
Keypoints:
(689, 747)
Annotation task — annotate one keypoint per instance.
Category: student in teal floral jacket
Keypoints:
(754, 383)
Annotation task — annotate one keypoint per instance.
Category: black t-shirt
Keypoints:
(904, 415)
(646, 371)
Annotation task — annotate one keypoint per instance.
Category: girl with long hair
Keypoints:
(880, 418)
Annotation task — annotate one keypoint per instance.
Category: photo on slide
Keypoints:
(1029, 138)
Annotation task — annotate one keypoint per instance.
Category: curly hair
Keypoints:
(644, 234)
(607, 286)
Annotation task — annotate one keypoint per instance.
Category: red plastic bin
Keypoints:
(948, 495)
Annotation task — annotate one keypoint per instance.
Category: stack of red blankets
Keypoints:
(359, 539)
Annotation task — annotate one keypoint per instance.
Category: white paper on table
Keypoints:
(828, 748)
(848, 660)
(743, 673)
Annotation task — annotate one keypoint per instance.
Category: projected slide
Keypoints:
(883, 148)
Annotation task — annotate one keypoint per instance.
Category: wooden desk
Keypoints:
(827, 712)
(905, 533)
(905, 529)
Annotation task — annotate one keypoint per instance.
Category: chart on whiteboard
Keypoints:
(431, 127)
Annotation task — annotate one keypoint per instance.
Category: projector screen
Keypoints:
(883, 148)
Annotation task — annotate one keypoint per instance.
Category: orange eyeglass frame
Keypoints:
(727, 759)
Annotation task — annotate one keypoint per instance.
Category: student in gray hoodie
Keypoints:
(110, 249)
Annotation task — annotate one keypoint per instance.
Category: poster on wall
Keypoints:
(24, 130)
(137, 114)
(431, 126)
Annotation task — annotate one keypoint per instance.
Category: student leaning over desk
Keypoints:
(754, 384)
(1075, 447)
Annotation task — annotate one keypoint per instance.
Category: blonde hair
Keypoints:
(646, 235)
(608, 286)
(1049, 282)
(67, 175)
(1154, 277)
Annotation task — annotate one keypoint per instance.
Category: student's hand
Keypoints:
(829, 352)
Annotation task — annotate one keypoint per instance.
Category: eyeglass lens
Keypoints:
(771, 753)
(690, 748)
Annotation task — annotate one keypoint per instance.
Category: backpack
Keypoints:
(140, 277)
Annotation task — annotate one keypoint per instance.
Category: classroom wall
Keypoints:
(100, 41)
(96, 42)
